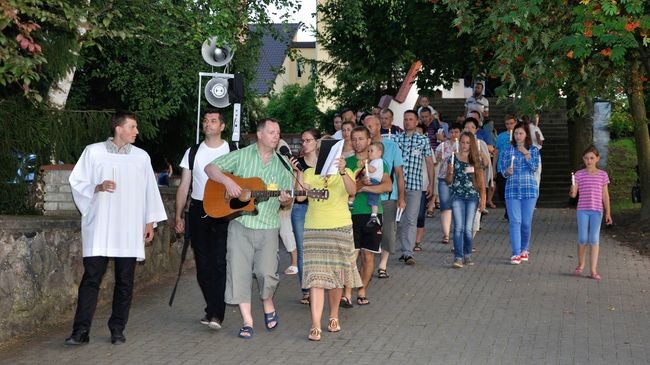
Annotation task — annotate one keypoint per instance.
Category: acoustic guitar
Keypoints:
(218, 204)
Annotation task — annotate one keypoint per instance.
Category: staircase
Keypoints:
(556, 168)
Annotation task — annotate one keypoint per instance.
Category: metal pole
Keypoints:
(198, 111)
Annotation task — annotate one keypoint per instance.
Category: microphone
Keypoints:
(285, 151)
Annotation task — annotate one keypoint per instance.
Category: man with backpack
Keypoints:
(208, 235)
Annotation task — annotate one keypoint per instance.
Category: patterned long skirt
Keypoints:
(329, 259)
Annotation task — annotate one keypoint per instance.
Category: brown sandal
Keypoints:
(333, 325)
(314, 334)
(305, 299)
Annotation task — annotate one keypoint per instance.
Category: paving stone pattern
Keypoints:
(491, 313)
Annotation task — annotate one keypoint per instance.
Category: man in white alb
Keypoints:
(115, 189)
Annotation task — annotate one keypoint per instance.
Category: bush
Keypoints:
(620, 124)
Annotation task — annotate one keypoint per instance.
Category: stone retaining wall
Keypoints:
(57, 198)
(41, 267)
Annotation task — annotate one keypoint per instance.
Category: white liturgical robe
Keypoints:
(113, 224)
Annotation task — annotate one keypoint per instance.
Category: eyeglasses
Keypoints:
(302, 141)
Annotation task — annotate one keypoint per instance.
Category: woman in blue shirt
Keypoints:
(467, 184)
(519, 163)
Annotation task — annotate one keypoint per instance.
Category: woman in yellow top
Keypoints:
(328, 244)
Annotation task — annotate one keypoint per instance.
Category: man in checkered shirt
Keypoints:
(415, 147)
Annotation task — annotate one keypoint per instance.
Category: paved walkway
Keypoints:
(492, 313)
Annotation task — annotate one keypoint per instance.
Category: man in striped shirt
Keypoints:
(253, 239)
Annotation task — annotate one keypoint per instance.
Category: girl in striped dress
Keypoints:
(591, 183)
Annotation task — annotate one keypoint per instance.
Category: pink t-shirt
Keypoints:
(590, 189)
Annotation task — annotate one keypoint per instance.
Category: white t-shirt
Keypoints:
(533, 128)
(204, 155)
(378, 164)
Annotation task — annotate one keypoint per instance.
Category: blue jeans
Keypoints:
(444, 195)
(520, 215)
(589, 226)
(298, 213)
(463, 212)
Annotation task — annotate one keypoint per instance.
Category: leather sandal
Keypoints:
(314, 334)
(382, 274)
(333, 325)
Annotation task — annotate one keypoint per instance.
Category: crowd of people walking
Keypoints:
(383, 184)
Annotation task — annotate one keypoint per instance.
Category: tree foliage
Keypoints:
(295, 107)
(540, 49)
(372, 44)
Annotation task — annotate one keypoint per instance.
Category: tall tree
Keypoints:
(541, 49)
(372, 44)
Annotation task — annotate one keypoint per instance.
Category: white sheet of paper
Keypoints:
(330, 168)
(398, 214)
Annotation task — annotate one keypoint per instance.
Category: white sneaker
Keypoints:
(214, 324)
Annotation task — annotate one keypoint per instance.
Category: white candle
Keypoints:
(512, 161)
(452, 158)
(367, 171)
(456, 145)
(511, 135)
(114, 173)
(573, 178)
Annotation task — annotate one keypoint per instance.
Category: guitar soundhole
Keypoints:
(238, 204)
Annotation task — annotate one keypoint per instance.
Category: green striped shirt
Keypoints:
(247, 162)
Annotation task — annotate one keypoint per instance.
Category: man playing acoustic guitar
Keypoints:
(253, 239)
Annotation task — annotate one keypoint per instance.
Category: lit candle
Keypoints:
(367, 171)
(511, 135)
(512, 161)
(573, 178)
(452, 158)
(456, 144)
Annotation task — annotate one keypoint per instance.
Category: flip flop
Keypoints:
(346, 303)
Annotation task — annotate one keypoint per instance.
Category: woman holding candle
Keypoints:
(445, 152)
(519, 164)
(467, 184)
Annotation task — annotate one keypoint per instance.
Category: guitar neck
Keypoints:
(273, 193)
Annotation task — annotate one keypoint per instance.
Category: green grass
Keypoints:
(621, 161)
